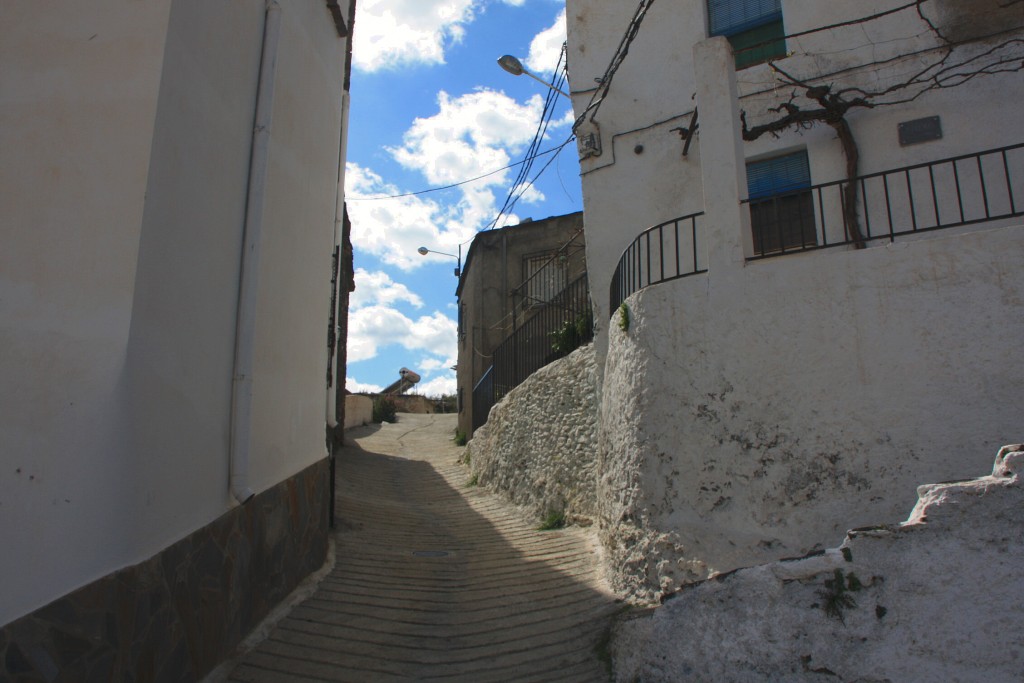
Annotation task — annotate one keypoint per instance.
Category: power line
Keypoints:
(461, 182)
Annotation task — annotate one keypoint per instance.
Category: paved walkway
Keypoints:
(436, 580)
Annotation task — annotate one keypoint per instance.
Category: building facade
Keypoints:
(808, 212)
(509, 275)
(172, 212)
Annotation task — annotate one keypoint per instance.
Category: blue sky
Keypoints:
(430, 107)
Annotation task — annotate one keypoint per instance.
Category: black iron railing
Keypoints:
(550, 333)
(948, 193)
(483, 398)
(668, 251)
(958, 191)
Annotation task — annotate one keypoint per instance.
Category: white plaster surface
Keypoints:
(358, 410)
(539, 446)
(757, 413)
(126, 129)
(937, 598)
(654, 92)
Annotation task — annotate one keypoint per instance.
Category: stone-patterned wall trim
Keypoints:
(539, 446)
(178, 614)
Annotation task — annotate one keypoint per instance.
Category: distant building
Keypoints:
(172, 231)
(509, 276)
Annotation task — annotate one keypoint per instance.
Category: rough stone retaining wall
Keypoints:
(937, 598)
(539, 446)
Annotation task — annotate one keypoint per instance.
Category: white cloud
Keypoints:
(439, 386)
(373, 327)
(546, 47)
(379, 288)
(393, 229)
(357, 387)
(469, 136)
(393, 33)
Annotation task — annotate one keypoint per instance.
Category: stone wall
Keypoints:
(178, 614)
(539, 445)
(937, 598)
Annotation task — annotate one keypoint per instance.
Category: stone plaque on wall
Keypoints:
(920, 130)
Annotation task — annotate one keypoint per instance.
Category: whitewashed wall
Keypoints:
(751, 412)
(78, 99)
(539, 446)
(753, 417)
(126, 129)
(641, 177)
(930, 599)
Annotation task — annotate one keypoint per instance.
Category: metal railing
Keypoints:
(667, 251)
(483, 398)
(948, 193)
(964, 190)
(534, 344)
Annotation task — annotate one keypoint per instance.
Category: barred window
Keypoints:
(781, 206)
(546, 276)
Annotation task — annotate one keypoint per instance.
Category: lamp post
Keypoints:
(423, 251)
(516, 68)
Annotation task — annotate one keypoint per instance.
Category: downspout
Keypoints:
(339, 218)
(248, 288)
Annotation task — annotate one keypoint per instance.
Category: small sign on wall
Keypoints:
(920, 130)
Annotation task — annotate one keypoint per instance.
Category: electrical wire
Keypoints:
(461, 182)
(520, 185)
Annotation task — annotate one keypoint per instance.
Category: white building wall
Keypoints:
(127, 130)
(78, 101)
(641, 178)
(749, 413)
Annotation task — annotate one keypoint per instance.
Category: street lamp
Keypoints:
(423, 251)
(516, 68)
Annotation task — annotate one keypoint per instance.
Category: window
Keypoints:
(781, 206)
(753, 27)
(546, 277)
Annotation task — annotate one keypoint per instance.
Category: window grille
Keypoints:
(546, 276)
(781, 204)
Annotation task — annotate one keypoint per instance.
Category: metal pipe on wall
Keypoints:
(248, 288)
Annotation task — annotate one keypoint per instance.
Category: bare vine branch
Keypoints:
(810, 104)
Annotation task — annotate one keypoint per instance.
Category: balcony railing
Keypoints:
(948, 193)
(668, 251)
(965, 190)
(533, 345)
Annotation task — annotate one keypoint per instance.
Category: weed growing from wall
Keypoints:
(554, 520)
(836, 594)
(624, 317)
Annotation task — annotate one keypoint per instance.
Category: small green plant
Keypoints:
(836, 594)
(624, 317)
(553, 520)
(460, 437)
(384, 410)
(573, 333)
(473, 481)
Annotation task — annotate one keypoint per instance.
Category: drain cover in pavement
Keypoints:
(430, 553)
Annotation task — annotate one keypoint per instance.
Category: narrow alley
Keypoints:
(436, 579)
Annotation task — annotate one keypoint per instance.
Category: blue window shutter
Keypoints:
(775, 176)
(729, 17)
